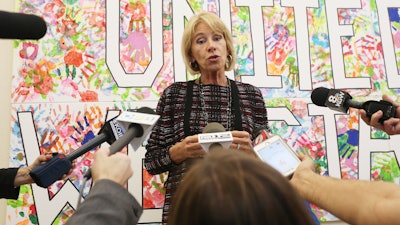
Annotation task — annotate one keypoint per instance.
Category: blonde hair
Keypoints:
(217, 25)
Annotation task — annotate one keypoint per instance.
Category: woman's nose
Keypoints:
(211, 48)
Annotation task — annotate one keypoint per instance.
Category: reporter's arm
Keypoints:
(12, 178)
(107, 203)
(353, 201)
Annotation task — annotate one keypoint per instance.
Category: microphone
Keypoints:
(21, 26)
(214, 136)
(262, 134)
(138, 125)
(341, 101)
(46, 174)
(144, 118)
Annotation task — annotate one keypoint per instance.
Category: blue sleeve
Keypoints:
(313, 216)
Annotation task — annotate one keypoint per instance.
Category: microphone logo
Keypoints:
(117, 129)
(337, 99)
(215, 137)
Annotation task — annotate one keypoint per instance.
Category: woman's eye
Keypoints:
(217, 38)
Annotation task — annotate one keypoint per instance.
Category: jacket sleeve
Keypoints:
(107, 203)
(162, 137)
(7, 189)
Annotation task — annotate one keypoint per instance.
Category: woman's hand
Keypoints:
(242, 141)
(188, 148)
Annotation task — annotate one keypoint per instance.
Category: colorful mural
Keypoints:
(101, 57)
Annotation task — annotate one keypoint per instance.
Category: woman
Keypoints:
(230, 187)
(185, 108)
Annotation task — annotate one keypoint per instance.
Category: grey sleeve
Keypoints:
(107, 203)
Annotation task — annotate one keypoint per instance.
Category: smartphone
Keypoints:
(278, 154)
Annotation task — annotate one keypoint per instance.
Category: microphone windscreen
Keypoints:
(146, 110)
(21, 26)
(319, 96)
(213, 127)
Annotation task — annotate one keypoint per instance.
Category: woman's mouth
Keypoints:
(213, 58)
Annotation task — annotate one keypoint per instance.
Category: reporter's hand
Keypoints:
(116, 167)
(390, 126)
(23, 176)
(304, 175)
(307, 163)
(303, 169)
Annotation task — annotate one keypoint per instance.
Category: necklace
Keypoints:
(228, 110)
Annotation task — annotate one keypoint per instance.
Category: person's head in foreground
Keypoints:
(230, 187)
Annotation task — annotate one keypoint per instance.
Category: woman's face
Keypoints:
(209, 49)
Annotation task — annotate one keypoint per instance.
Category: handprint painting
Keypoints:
(101, 57)
(59, 129)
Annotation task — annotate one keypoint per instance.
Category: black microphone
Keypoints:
(341, 101)
(215, 137)
(21, 26)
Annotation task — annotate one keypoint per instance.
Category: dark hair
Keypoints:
(231, 187)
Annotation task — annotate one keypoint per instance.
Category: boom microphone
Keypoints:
(214, 136)
(341, 101)
(21, 26)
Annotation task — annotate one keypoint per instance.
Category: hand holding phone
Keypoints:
(278, 154)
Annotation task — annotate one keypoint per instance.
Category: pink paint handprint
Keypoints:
(138, 47)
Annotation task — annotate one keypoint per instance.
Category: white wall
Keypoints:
(5, 103)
